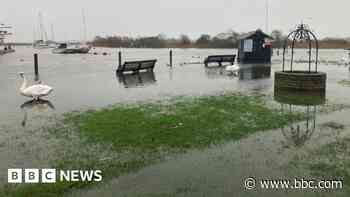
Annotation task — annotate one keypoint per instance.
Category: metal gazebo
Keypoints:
(301, 34)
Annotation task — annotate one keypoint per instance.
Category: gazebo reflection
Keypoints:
(297, 134)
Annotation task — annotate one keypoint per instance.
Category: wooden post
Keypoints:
(171, 58)
(120, 58)
(36, 66)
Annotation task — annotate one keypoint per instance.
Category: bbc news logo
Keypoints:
(52, 175)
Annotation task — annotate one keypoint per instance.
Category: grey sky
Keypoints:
(172, 17)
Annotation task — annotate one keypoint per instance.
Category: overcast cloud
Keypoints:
(172, 17)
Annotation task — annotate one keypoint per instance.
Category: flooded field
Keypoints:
(83, 82)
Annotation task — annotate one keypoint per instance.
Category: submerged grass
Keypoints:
(148, 132)
(330, 162)
(344, 82)
(188, 123)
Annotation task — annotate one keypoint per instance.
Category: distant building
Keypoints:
(255, 47)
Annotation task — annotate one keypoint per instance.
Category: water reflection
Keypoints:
(35, 106)
(218, 72)
(246, 72)
(137, 79)
(256, 71)
(299, 102)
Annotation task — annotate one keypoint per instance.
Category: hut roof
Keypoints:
(253, 33)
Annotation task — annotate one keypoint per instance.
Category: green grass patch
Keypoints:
(188, 123)
(148, 132)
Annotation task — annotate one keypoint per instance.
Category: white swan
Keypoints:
(233, 68)
(34, 91)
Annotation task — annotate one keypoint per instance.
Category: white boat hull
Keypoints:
(71, 51)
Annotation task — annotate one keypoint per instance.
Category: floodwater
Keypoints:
(221, 171)
(89, 81)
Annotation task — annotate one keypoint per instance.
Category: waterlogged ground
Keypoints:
(176, 169)
(36, 136)
(141, 134)
(221, 170)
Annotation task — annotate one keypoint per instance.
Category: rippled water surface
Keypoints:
(84, 81)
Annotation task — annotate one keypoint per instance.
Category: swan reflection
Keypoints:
(245, 72)
(35, 106)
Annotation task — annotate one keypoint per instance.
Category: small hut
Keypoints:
(255, 47)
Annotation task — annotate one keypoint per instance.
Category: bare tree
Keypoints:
(185, 40)
(278, 38)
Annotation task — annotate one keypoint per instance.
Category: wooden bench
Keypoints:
(220, 59)
(136, 66)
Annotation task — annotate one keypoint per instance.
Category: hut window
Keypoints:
(248, 45)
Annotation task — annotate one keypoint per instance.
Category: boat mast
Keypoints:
(34, 34)
(84, 26)
(267, 17)
(52, 33)
(42, 31)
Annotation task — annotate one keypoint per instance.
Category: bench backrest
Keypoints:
(137, 65)
(148, 64)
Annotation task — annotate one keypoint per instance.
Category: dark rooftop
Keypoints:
(252, 33)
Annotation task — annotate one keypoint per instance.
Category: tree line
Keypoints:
(223, 40)
(160, 41)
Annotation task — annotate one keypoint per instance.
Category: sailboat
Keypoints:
(5, 48)
(71, 48)
(74, 47)
(42, 42)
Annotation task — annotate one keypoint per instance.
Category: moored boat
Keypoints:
(68, 48)
(42, 41)
(4, 47)
(40, 44)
